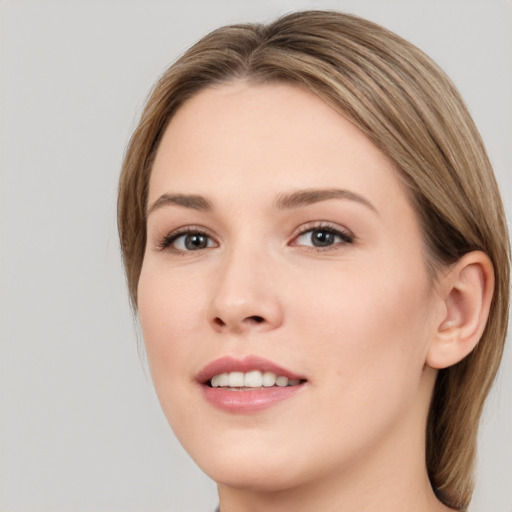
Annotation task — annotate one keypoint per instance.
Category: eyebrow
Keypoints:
(291, 200)
(192, 201)
(313, 195)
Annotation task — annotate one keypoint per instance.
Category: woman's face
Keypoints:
(281, 243)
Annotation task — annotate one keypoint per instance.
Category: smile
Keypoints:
(247, 385)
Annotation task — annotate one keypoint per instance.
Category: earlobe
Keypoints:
(467, 291)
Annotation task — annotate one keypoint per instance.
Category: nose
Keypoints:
(245, 296)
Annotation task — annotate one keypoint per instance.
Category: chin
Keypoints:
(258, 463)
(245, 459)
(260, 476)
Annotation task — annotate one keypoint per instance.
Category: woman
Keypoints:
(317, 250)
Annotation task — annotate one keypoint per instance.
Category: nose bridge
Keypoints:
(244, 296)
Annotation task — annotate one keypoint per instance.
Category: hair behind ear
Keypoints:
(464, 379)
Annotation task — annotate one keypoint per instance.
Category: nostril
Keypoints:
(253, 319)
(219, 322)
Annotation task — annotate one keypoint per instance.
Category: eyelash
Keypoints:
(168, 240)
(344, 235)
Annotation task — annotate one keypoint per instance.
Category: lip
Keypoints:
(246, 401)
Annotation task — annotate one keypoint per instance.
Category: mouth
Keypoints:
(254, 379)
(247, 385)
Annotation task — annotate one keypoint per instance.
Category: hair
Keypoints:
(412, 112)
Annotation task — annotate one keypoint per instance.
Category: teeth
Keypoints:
(269, 379)
(282, 381)
(236, 380)
(252, 379)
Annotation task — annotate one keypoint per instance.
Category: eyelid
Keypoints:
(165, 243)
(343, 232)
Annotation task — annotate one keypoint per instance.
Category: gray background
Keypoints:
(80, 427)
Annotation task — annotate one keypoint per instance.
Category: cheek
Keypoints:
(365, 340)
(374, 324)
(172, 321)
(170, 315)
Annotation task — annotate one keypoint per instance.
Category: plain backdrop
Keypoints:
(80, 427)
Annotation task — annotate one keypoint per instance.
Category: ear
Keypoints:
(467, 291)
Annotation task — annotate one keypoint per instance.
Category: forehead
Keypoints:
(253, 141)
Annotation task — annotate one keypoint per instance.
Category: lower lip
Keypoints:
(248, 401)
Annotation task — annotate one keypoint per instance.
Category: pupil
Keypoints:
(323, 238)
(195, 242)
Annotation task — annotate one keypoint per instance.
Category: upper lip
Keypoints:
(229, 364)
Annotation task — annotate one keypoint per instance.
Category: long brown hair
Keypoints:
(408, 107)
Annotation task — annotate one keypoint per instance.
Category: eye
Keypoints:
(187, 240)
(323, 237)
